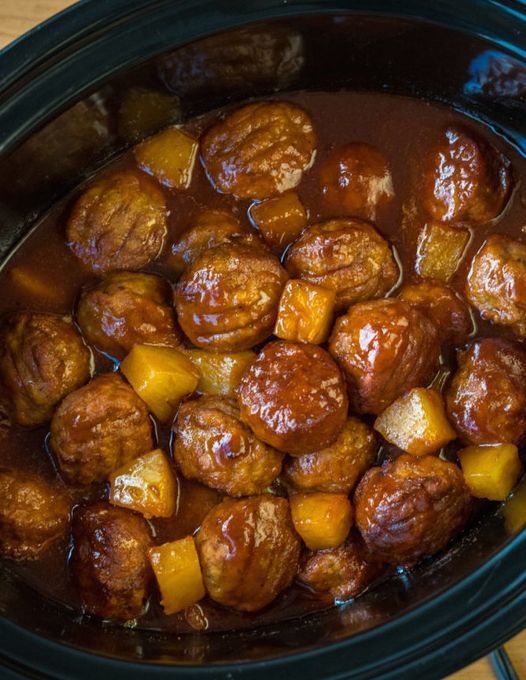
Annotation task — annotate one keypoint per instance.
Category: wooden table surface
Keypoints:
(17, 17)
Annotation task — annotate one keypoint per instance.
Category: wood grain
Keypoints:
(17, 17)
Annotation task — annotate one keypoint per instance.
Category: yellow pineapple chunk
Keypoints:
(323, 520)
(305, 312)
(280, 220)
(491, 471)
(220, 373)
(169, 156)
(515, 509)
(146, 485)
(416, 422)
(36, 284)
(439, 251)
(161, 376)
(142, 112)
(178, 573)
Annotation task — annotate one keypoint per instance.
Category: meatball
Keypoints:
(356, 180)
(486, 400)
(119, 222)
(33, 513)
(496, 284)
(465, 179)
(213, 446)
(98, 428)
(385, 348)
(127, 309)
(411, 507)
(337, 468)
(109, 561)
(42, 359)
(248, 551)
(293, 397)
(259, 150)
(227, 300)
(346, 255)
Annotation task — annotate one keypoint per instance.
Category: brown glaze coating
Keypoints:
(411, 507)
(248, 551)
(486, 400)
(293, 397)
(42, 359)
(385, 348)
(346, 255)
(99, 427)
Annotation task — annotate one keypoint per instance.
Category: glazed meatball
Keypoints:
(109, 561)
(42, 359)
(496, 284)
(411, 507)
(337, 468)
(260, 150)
(98, 428)
(346, 255)
(356, 180)
(227, 300)
(293, 397)
(385, 348)
(127, 309)
(33, 513)
(465, 179)
(214, 447)
(119, 222)
(248, 551)
(486, 400)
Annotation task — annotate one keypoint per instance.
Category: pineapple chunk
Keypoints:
(280, 220)
(515, 509)
(169, 156)
(439, 251)
(323, 520)
(161, 376)
(416, 422)
(178, 573)
(305, 312)
(491, 471)
(146, 485)
(142, 112)
(220, 373)
(36, 285)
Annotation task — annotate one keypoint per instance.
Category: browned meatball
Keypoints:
(109, 561)
(127, 309)
(385, 348)
(213, 446)
(260, 150)
(119, 222)
(42, 358)
(248, 551)
(98, 428)
(337, 468)
(346, 255)
(486, 400)
(411, 507)
(496, 284)
(465, 179)
(228, 298)
(33, 513)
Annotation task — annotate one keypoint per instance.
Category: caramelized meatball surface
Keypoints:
(346, 255)
(385, 348)
(293, 397)
(227, 300)
(119, 222)
(99, 427)
(259, 150)
(33, 513)
(486, 400)
(248, 551)
(127, 309)
(42, 359)
(411, 507)
(213, 446)
(496, 284)
(109, 561)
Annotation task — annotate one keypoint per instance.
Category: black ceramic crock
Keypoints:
(470, 54)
